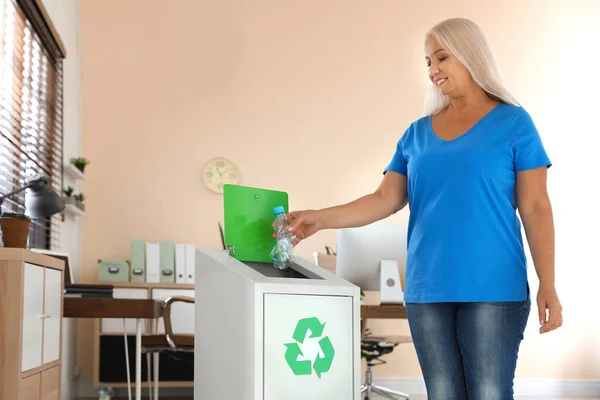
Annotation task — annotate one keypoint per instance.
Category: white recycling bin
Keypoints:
(269, 334)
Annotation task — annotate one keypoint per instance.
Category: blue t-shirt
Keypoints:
(464, 235)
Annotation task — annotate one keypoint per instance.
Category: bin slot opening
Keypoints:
(268, 270)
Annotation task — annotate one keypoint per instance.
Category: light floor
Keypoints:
(412, 398)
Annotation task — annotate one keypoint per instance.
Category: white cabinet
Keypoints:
(33, 313)
(115, 325)
(182, 314)
(52, 314)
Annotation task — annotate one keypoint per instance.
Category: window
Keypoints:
(31, 112)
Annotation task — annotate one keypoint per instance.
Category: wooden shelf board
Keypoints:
(146, 285)
(120, 334)
(71, 209)
(183, 384)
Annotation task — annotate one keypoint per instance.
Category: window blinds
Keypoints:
(31, 114)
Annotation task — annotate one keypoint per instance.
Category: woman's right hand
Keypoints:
(303, 224)
(390, 197)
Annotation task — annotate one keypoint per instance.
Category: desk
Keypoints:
(139, 309)
(391, 311)
(383, 311)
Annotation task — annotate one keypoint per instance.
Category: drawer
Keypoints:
(51, 384)
(30, 388)
(115, 325)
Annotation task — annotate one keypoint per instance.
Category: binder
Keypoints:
(190, 263)
(137, 272)
(167, 261)
(180, 269)
(248, 221)
(152, 262)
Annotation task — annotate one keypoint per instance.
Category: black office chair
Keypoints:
(372, 349)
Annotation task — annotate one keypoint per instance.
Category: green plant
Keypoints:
(79, 197)
(330, 251)
(68, 191)
(80, 162)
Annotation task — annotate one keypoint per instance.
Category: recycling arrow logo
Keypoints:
(318, 351)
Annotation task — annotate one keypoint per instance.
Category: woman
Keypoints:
(464, 169)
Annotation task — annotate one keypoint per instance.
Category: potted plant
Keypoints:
(15, 230)
(79, 199)
(80, 163)
(330, 251)
(68, 196)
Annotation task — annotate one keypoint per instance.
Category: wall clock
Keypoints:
(218, 172)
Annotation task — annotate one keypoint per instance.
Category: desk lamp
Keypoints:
(40, 202)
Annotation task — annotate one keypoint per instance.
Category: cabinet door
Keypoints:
(33, 308)
(52, 323)
(30, 388)
(308, 345)
(182, 314)
(50, 386)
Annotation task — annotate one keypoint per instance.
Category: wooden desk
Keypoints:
(111, 308)
(385, 311)
(380, 311)
(139, 309)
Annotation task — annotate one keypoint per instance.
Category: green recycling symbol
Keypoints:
(293, 351)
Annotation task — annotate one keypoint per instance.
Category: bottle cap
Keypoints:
(278, 210)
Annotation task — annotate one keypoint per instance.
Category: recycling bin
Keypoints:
(270, 334)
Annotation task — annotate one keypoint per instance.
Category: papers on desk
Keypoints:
(88, 291)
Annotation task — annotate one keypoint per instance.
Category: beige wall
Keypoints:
(310, 97)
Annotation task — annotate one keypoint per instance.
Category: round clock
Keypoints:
(219, 171)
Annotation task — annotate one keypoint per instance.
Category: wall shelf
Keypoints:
(71, 209)
(73, 172)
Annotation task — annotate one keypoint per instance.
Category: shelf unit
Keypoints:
(71, 209)
(73, 172)
(31, 304)
(76, 175)
(109, 343)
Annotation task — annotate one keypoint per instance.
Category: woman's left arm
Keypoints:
(536, 213)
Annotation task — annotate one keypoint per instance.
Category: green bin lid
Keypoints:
(248, 218)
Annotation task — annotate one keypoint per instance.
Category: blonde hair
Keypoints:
(466, 42)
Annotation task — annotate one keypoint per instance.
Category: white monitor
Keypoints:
(68, 274)
(373, 257)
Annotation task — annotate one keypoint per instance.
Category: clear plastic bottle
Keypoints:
(283, 252)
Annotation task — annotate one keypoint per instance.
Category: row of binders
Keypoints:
(162, 262)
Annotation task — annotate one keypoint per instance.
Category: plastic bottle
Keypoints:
(283, 252)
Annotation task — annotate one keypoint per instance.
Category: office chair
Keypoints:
(372, 348)
(168, 342)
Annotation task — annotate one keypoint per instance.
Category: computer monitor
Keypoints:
(68, 274)
(373, 257)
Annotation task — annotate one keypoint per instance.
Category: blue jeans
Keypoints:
(468, 350)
